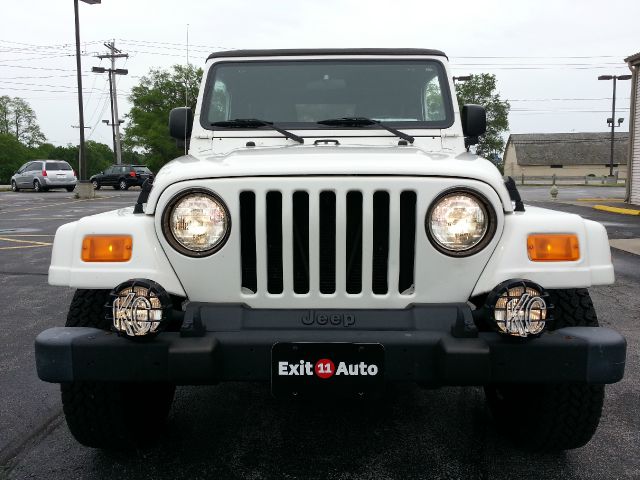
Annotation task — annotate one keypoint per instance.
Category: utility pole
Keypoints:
(113, 54)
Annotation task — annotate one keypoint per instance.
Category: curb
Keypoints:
(608, 200)
(622, 211)
(629, 245)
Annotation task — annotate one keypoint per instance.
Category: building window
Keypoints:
(556, 166)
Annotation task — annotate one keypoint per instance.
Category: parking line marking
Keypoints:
(25, 246)
(32, 242)
(56, 204)
(36, 218)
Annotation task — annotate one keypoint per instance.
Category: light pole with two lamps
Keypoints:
(610, 121)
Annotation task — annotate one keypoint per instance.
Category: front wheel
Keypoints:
(96, 185)
(14, 186)
(552, 417)
(111, 415)
(123, 185)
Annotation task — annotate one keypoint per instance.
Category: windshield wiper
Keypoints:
(254, 122)
(362, 122)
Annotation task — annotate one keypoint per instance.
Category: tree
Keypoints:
(481, 90)
(17, 118)
(99, 156)
(12, 155)
(152, 100)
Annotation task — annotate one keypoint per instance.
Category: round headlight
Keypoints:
(196, 223)
(459, 223)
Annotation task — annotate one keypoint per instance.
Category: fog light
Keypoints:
(518, 308)
(139, 308)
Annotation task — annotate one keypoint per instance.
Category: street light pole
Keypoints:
(613, 116)
(82, 161)
(615, 78)
(82, 151)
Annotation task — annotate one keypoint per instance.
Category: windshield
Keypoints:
(298, 94)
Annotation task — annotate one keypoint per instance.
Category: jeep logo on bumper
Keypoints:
(331, 319)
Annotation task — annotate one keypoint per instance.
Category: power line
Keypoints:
(558, 67)
(36, 58)
(39, 85)
(40, 68)
(540, 57)
(38, 90)
(559, 99)
(102, 93)
(38, 77)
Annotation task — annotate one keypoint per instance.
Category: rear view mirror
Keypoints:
(474, 123)
(180, 125)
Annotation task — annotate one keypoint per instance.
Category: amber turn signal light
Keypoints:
(107, 248)
(553, 247)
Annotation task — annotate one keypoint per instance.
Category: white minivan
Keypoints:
(43, 175)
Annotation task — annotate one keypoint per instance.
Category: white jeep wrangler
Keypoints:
(329, 232)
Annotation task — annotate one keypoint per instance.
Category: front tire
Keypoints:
(552, 417)
(111, 415)
(14, 186)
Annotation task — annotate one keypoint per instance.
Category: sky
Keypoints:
(546, 55)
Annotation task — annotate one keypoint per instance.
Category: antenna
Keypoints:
(186, 96)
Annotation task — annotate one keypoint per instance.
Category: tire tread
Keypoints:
(94, 410)
(567, 415)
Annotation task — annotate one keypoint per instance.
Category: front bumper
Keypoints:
(434, 344)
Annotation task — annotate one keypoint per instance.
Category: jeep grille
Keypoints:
(317, 241)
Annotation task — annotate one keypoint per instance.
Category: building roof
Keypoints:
(589, 148)
(326, 51)
(633, 59)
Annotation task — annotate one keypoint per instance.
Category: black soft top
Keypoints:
(326, 51)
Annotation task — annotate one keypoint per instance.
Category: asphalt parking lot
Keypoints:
(238, 431)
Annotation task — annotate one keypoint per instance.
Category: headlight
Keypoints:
(460, 222)
(196, 223)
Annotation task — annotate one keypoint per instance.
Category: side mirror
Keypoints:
(474, 123)
(180, 124)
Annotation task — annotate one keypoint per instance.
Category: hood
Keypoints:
(329, 160)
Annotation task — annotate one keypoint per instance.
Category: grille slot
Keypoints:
(248, 240)
(274, 242)
(327, 241)
(407, 241)
(380, 254)
(300, 242)
(354, 242)
(295, 242)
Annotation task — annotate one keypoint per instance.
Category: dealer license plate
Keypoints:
(327, 369)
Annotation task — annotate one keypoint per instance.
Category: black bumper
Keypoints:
(424, 343)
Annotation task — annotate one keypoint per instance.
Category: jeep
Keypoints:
(329, 231)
